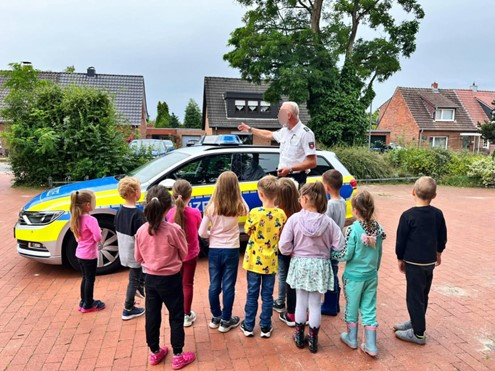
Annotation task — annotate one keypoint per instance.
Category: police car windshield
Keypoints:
(151, 169)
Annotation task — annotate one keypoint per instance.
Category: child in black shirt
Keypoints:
(421, 239)
(127, 221)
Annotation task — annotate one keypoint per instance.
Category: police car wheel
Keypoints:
(108, 252)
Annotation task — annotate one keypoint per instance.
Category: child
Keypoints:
(222, 212)
(88, 234)
(189, 219)
(362, 252)
(309, 236)
(336, 209)
(127, 222)
(288, 201)
(263, 226)
(421, 239)
(160, 248)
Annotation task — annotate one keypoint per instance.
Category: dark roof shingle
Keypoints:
(128, 91)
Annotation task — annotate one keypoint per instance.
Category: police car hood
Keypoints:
(313, 224)
(95, 185)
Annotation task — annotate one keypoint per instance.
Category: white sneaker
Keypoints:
(189, 319)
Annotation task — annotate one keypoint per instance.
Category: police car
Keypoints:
(43, 233)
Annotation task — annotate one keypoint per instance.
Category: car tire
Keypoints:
(108, 253)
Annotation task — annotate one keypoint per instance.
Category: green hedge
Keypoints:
(363, 163)
(447, 167)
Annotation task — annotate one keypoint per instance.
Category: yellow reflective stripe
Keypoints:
(49, 233)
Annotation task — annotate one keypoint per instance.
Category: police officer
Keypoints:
(297, 143)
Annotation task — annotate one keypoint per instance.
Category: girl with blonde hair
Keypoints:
(88, 234)
(189, 219)
(221, 226)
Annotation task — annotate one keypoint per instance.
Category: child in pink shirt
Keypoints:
(221, 226)
(189, 219)
(161, 247)
(88, 234)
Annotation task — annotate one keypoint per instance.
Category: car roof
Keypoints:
(194, 150)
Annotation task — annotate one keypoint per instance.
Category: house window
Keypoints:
(264, 107)
(486, 144)
(240, 105)
(445, 114)
(439, 142)
(253, 105)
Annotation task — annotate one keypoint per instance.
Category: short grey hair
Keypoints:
(293, 107)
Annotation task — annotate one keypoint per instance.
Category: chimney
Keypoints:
(25, 63)
(474, 87)
(91, 72)
(434, 87)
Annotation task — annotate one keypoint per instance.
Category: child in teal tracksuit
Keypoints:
(362, 252)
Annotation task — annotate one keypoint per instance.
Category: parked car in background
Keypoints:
(169, 144)
(157, 147)
(42, 230)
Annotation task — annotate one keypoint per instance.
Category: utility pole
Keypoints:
(369, 133)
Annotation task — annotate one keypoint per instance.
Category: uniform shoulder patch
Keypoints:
(306, 128)
(311, 145)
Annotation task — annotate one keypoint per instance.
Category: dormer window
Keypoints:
(444, 114)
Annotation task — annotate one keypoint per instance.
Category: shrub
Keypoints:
(58, 132)
(484, 170)
(363, 163)
(420, 161)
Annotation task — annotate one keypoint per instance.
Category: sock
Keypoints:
(177, 351)
(420, 336)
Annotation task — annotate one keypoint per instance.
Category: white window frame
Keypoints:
(439, 114)
(486, 144)
(433, 138)
(240, 102)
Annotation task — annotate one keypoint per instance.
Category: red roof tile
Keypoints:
(471, 103)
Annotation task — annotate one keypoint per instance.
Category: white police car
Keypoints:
(43, 233)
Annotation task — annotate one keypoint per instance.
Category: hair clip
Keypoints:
(179, 196)
(154, 199)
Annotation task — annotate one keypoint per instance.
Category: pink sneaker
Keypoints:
(97, 306)
(183, 360)
(156, 358)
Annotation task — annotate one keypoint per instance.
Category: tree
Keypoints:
(163, 116)
(192, 117)
(296, 46)
(70, 69)
(57, 132)
(174, 121)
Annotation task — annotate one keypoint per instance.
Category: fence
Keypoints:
(67, 180)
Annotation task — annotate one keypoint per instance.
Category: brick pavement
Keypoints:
(40, 327)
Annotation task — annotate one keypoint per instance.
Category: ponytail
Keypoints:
(316, 194)
(181, 191)
(158, 202)
(363, 202)
(77, 200)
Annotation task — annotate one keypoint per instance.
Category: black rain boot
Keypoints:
(299, 335)
(313, 339)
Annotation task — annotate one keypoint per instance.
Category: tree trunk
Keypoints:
(316, 15)
(355, 24)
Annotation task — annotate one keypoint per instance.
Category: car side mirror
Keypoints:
(168, 183)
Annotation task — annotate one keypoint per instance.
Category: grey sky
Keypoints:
(174, 44)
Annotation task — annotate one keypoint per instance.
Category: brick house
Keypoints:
(128, 92)
(445, 118)
(229, 101)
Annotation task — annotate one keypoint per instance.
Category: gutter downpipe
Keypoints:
(420, 138)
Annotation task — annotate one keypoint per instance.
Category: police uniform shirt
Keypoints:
(295, 144)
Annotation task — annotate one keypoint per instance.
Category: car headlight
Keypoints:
(38, 217)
